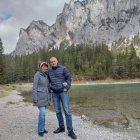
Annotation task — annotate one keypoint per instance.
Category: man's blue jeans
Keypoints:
(62, 97)
(41, 119)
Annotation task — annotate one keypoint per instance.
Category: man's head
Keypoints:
(53, 61)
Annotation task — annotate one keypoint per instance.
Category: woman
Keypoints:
(41, 97)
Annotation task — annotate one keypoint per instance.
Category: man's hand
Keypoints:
(65, 84)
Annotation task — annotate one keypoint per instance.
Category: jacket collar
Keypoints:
(43, 73)
(56, 67)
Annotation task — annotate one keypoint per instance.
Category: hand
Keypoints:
(65, 90)
(65, 84)
(34, 103)
(50, 91)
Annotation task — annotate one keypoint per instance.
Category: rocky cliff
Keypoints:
(83, 22)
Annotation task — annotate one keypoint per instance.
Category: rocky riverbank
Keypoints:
(18, 121)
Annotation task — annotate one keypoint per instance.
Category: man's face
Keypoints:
(53, 62)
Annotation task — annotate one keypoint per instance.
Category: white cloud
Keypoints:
(16, 14)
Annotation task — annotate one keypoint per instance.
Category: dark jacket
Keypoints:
(40, 89)
(57, 76)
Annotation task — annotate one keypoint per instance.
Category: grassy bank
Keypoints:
(108, 81)
(7, 88)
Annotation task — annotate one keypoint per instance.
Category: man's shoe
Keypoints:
(41, 134)
(72, 135)
(59, 130)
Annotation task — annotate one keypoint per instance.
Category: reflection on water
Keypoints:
(112, 105)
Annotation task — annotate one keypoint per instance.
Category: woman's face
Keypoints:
(44, 68)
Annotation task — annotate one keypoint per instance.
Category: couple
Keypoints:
(56, 80)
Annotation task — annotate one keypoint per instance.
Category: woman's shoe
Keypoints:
(41, 134)
(45, 131)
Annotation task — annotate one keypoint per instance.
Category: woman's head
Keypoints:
(43, 66)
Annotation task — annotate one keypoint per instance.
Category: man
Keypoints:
(60, 82)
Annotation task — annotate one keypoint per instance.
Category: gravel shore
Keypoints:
(18, 121)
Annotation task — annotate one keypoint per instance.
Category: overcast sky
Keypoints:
(16, 14)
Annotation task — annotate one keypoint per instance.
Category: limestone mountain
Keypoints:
(83, 22)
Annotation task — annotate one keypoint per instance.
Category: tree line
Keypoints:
(85, 62)
(2, 64)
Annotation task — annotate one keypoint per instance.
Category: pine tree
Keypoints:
(133, 60)
(2, 65)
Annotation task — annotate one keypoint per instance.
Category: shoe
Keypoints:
(72, 135)
(59, 130)
(41, 134)
(45, 132)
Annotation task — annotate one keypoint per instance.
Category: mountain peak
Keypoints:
(38, 23)
(83, 22)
